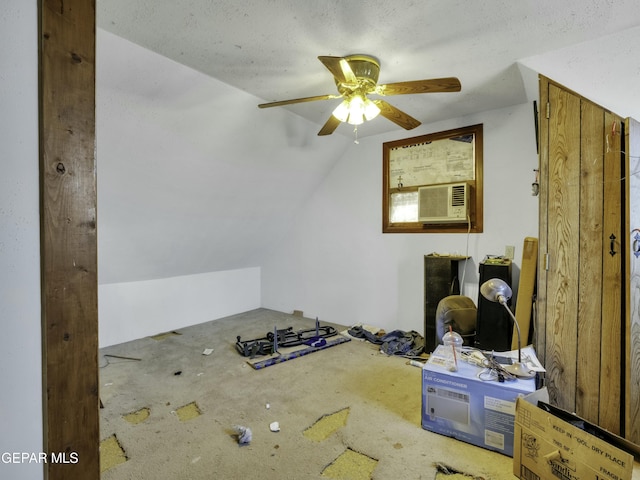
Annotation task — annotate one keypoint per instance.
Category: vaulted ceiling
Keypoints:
(269, 48)
(194, 177)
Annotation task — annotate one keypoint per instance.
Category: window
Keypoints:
(450, 163)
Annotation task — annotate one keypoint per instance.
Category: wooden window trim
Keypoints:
(476, 205)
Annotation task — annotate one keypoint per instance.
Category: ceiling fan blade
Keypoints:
(398, 117)
(449, 84)
(340, 69)
(298, 100)
(329, 127)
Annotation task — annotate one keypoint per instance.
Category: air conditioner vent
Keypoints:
(458, 196)
(447, 203)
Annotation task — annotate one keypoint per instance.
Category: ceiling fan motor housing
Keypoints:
(366, 69)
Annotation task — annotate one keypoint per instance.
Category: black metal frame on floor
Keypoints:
(283, 338)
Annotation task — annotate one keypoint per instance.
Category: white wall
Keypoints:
(192, 176)
(333, 261)
(337, 265)
(20, 354)
(131, 310)
(194, 183)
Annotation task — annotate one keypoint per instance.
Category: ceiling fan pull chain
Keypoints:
(355, 132)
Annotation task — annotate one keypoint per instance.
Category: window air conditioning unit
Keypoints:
(448, 404)
(444, 203)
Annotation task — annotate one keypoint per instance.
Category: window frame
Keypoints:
(476, 184)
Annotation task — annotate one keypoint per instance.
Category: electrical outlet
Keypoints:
(509, 251)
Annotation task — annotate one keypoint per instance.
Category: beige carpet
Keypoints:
(170, 411)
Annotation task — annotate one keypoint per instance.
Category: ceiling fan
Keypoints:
(356, 77)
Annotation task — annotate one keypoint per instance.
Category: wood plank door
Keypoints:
(611, 395)
(580, 282)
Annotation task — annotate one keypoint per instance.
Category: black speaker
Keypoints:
(494, 327)
(440, 281)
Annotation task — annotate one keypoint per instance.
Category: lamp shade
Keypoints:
(356, 110)
(371, 110)
(341, 112)
(496, 290)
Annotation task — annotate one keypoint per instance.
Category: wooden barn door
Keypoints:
(580, 292)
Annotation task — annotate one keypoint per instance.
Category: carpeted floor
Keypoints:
(173, 412)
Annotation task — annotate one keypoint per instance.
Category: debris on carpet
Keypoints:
(283, 338)
(242, 434)
(163, 336)
(359, 330)
(453, 473)
(397, 342)
(295, 352)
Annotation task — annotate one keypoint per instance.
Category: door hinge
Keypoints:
(548, 110)
(546, 261)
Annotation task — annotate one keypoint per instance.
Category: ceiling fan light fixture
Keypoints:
(371, 110)
(356, 109)
(341, 112)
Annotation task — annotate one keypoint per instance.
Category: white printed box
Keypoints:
(468, 406)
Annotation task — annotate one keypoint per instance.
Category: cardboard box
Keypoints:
(547, 446)
(464, 406)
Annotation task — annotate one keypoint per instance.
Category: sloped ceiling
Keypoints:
(269, 48)
(190, 180)
(193, 177)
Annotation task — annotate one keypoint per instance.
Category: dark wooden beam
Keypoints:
(68, 200)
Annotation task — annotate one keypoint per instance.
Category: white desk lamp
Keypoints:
(496, 290)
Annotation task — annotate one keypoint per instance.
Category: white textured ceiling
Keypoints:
(269, 48)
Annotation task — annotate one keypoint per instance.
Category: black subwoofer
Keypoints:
(494, 327)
